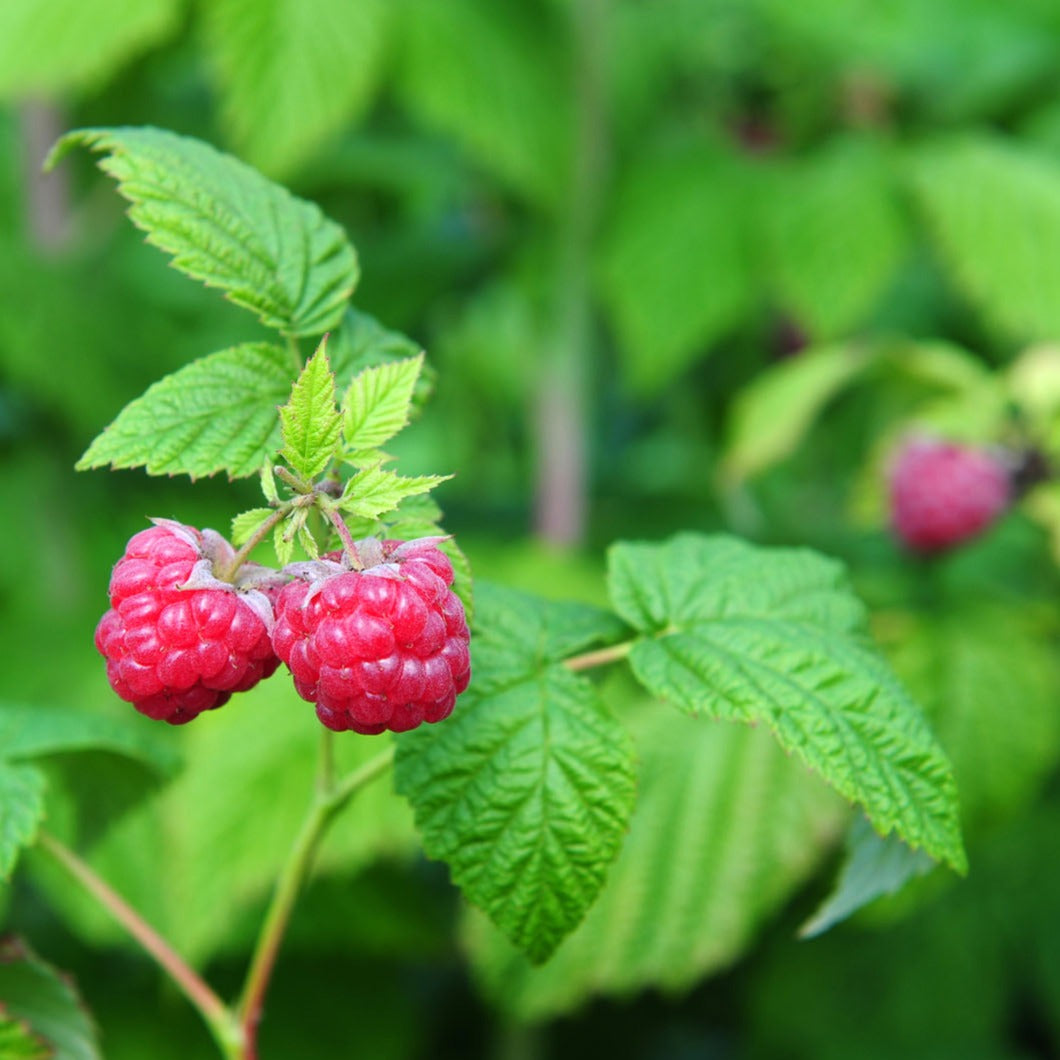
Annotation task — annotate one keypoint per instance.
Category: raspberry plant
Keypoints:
(527, 791)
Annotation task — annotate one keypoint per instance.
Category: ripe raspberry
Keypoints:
(178, 640)
(943, 494)
(381, 648)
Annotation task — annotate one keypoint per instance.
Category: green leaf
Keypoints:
(772, 415)
(228, 226)
(37, 996)
(48, 47)
(725, 829)
(32, 731)
(527, 789)
(268, 483)
(378, 403)
(18, 1042)
(674, 271)
(874, 866)
(748, 634)
(991, 699)
(283, 541)
(293, 73)
(310, 421)
(994, 210)
(216, 414)
(362, 342)
(834, 234)
(246, 523)
(372, 492)
(21, 811)
(494, 78)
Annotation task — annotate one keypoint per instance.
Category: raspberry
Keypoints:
(943, 494)
(178, 640)
(381, 648)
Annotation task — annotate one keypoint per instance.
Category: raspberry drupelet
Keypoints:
(177, 639)
(381, 648)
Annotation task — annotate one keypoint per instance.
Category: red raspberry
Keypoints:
(381, 648)
(943, 494)
(178, 640)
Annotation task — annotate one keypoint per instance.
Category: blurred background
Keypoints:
(678, 264)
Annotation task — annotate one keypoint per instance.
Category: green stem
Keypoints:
(254, 540)
(600, 657)
(217, 1016)
(328, 802)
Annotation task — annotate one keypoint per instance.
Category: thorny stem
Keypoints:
(330, 799)
(600, 657)
(220, 1020)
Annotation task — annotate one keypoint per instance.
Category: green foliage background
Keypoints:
(750, 244)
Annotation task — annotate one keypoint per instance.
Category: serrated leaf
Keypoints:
(228, 226)
(994, 210)
(674, 270)
(283, 542)
(991, 699)
(378, 402)
(246, 523)
(310, 421)
(772, 415)
(48, 47)
(268, 483)
(32, 731)
(293, 72)
(373, 491)
(36, 995)
(725, 829)
(527, 789)
(216, 414)
(834, 234)
(362, 342)
(874, 866)
(308, 542)
(21, 811)
(776, 636)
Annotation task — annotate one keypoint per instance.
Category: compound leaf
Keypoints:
(216, 414)
(526, 790)
(228, 226)
(776, 636)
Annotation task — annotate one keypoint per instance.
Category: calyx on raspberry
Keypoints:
(178, 639)
(383, 647)
(942, 493)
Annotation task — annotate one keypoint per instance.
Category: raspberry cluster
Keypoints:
(177, 639)
(383, 646)
(942, 494)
